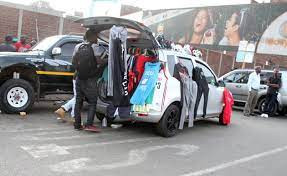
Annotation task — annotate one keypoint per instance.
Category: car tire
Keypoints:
(16, 95)
(261, 105)
(168, 125)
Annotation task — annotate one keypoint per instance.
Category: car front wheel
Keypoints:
(168, 125)
(261, 105)
(17, 95)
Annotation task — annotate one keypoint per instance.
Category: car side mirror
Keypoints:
(56, 51)
(220, 83)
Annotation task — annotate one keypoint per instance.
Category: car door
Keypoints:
(215, 95)
(60, 67)
(237, 84)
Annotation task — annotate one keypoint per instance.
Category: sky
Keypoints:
(82, 5)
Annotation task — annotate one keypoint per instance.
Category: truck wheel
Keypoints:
(168, 125)
(261, 105)
(16, 95)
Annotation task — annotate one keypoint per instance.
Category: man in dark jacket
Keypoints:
(7, 46)
(274, 84)
(86, 86)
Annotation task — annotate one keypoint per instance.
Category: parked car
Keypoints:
(236, 82)
(167, 119)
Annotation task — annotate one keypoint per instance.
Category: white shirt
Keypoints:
(253, 81)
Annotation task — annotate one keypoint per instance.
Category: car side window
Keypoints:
(170, 64)
(208, 74)
(242, 77)
(68, 49)
(187, 63)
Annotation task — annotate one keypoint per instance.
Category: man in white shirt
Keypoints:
(253, 87)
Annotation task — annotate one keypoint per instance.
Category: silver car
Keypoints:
(236, 82)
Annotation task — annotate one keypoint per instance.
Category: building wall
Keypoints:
(48, 25)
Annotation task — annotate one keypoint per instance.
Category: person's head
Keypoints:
(91, 36)
(8, 39)
(258, 69)
(241, 24)
(276, 72)
(23, 39)
(202, 21)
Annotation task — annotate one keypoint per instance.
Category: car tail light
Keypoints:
(142, 115)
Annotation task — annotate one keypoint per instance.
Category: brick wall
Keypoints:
(48, 25)
(8, 21)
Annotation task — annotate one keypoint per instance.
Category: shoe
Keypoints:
(246, 115)
(92, 128)
(264, 115)
(79, 128)
(60, 113)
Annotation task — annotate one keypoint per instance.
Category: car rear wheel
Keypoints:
(261, 105)
(168, 125)
(17, 95)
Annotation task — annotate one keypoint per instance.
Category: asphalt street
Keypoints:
(40, 145)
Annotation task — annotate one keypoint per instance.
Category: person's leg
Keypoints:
(254, 102)
(90, 91)
(267, 102)
(198, 97)
(205, 94)
(73, 100)
(78, 105)
(248, 105)
(272, 102)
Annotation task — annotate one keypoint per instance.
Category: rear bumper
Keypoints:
(151, 117)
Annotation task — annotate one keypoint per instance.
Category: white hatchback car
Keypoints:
(167, 114)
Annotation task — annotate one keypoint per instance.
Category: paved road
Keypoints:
(39, 145)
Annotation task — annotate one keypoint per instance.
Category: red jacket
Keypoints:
(227, 110)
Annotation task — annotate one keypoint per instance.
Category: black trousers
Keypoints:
(201, 89)
(86, 89)
(270, 103)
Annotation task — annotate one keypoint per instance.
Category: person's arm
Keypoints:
(250, 79)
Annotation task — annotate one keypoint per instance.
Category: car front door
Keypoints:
(59, 70)
(215, 95)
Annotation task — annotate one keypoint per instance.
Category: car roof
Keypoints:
(251, 70)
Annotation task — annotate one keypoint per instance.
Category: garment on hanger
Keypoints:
(140, 65)
(202, 88)
(146, 84)
(116, 32)
(181, 73)
(120, 81)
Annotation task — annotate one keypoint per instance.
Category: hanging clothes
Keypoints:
(227, 110)
(187, 99)
(202, 88)
(120, 33)
(140, 66)
(146, 84)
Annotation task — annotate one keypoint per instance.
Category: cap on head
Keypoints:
(8, 38)
(91, 35)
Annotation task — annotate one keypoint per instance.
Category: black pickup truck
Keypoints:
(45, 69)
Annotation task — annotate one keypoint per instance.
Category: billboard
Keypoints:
(223, 27)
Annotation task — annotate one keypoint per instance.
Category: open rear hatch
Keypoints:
(139, 35)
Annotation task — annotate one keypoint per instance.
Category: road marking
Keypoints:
(236, 162)
(42, 151)
(135, 157)
(45, 150)
(109, 143)
(32, 130)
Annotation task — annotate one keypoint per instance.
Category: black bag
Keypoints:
(85, 62)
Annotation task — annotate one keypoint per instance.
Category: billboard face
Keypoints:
(223, 27)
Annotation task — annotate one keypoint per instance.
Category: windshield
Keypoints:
(46, 43)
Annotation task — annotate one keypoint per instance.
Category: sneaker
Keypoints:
(92, 128)
(264, 115)
(79, 128)
(60, 113)
(246, 115)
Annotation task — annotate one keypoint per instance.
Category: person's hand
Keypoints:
(209, 37)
